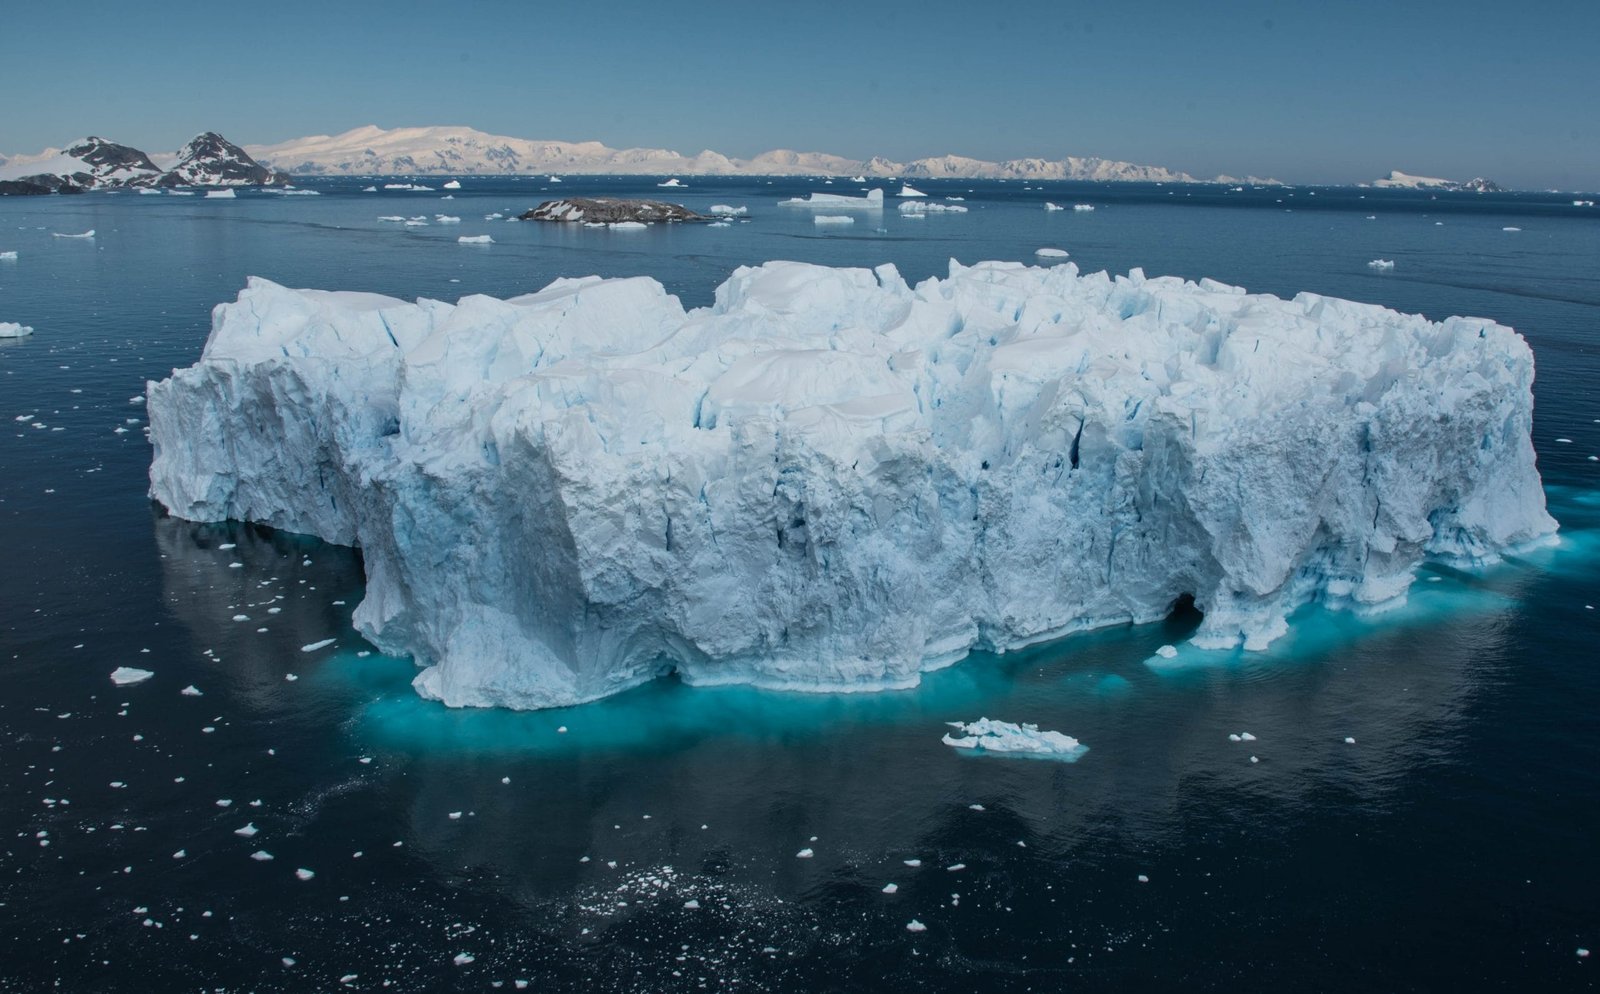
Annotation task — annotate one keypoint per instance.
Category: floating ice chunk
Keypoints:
(191, 691)
(890, 888)
(691, 905)
(369, 189)
(804, 854)
(455, 816)
(1083, 207)
(726, 210)
(719, 224)
(627, 226)
(261, 856)
(834, 201)
(673, 182)
(1167, 652)
(1050, 253)
(1143, 879)
(416, 223)
(304, 874)
(918, 207)
(446, 219)
(221, 195)
(1510, 229)
(454, 184)
(552, 179)
(314, 646)
(248, 831)
(858, 179)
(1246, 737)
(1053, 207)
(86, 234)
(1381, 264)
(10, 329)
(8, 256)
(1349, 740)
(180, 854)
(833, 219)
(475, 240)
(907, 190)
(1234, 737)
(124, 676)
(985, 736)
(462, 959)
(915, 926)
(392, 217)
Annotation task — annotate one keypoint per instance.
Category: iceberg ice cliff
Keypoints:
(831, 479)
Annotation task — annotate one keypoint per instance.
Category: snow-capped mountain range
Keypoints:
(97, 164)
(374, 151)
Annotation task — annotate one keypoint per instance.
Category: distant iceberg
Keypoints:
(1050, 253)
(872, 201)
(221, 195)
(671, 183)
(725, 210)
(920, 207)
(1381, 264)
(10, 329)
(8, 256)
(1053, 207)
(1083, 207)
(475, 240)
(907, 190)
(834, 219)
(454, 184)
(86, 234)
(985, 736)
(832, 479)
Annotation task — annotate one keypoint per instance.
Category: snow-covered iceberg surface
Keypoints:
(985, 736)
(830, 479)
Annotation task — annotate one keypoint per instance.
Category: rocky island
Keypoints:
(610, 210)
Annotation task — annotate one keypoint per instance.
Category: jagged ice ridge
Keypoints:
(830, 479)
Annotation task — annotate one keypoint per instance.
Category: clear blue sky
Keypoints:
(1309, 92)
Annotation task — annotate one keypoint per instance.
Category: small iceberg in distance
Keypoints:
(907, 190)
(10, 329)
(1053, 207)
(872, 201)
(673, 182)
(86, 234)
(833, 219)
(475, 240)
(1381, 264)
(454, 184)
(985, 736)
(727, 210)
(1083, 207)
(221, 195)
(1050, 253)
(863, 179)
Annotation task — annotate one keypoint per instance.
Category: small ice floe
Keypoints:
(191, 691)
(10, 329)
(396, 218)
(552, 179)
(455, 816)
(975, 807)
(1143, 879)
(475, 240)
(719, 224)
(248, 832)
(313, 647)
(918, 207)
(446, 219)
(1583, 953)
(180, 854)
(1083, 207)
(955, 867)
(1167, 652)
(369, 189)
(8, 256)
(890, 888)
(804, 854)
(124, 676)
(985, 736)
(462, 959)
(673, 182)
(261, 856)
(1246, 737)
(416, 223)
(454, 184)
(86, 234)
(1349, 740)
(1255, 759)
(221, 195)
(290, 677)
(1053, 207)
(833, 219)
(727, 210)
(907, 190)
(627, 226)
(1381, 264)
(1050, 253)
(1510, 229)
(915, 926)
(1564, 441)
(304, 874)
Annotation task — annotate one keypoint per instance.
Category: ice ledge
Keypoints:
(831, 479)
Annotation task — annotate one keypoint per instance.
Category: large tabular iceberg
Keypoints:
(830, 479)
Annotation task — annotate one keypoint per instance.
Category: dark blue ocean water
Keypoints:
(1451, 847)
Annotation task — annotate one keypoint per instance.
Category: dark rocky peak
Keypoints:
(211, 160)
(109, 157)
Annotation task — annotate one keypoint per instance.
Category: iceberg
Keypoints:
(1381, 264)
(907, 190)
(221, 195)
(10, 256)
(125, 676)
(832, 480)
(84, 234)
(454, 184)
(1053, 207)
(1083, 207)
(833, 219)
(985, 736)
(1050, 253)
(834, 201)
(673, 182)
(727, 210)
(11, 329)
(475, 240)
(919, 207)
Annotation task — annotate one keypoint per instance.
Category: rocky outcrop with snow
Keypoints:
(211, 160)
(832, 479)
(98, 164)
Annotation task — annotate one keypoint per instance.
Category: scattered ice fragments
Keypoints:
(10, 329)
(446, 219)
(985, 736)
(124, 676)
(918, 207)
(261, 856)
(1381, 264)
(475, 240)
(462, 959)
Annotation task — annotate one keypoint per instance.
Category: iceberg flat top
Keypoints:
(830, 479)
